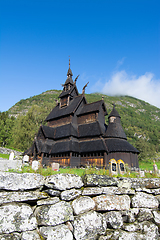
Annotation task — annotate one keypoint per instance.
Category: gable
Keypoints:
(40, 134)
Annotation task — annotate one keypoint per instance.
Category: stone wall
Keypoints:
(66, 207)
(8, 151)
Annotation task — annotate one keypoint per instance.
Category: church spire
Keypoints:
(69, 73)
(114, 112)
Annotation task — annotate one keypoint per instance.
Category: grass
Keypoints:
(2, 155)
(78, 171)
(144, 165)
(148, 165)
(81, 172)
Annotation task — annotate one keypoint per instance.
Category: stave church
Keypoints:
(76, 133)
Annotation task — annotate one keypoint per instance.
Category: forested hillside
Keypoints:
(140, 120)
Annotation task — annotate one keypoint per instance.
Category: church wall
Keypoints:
(40, 134)
(87, 118)
(134, 160)
(63, 161)
(129, 158)
(75, 161)
(74, 93)
(59, 122)
(97, 161)
(101, 119)
(100, 116)
(89, 159)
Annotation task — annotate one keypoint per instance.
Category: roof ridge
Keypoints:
(94, 102)
(82, 96)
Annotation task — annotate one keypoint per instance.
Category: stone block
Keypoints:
(52, 192)
(48, 201)
(112, 202)
(92, 191)
(64, 181)
(16, 218)
(52, 215)
(83, 204)
(99, 180)
(8, 197)
(144, 215)
(144, 200)
(18, 181)
(89, 226)
(118, 190)
(130, 216)
(30, 235)
(60, 232)
(6, 165)
(10, 236)
(114, 219)
(156, 215)
(71, 194)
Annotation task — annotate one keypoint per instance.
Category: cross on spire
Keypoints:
(69, 62)
(69, 73)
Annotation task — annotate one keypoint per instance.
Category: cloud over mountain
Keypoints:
(144, 87)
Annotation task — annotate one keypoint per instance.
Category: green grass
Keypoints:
(148, 165)
(2, 155)
(81, 172)
(48, 171)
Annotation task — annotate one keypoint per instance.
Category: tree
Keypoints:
(6, 125)
(146, 150)
(26, 127)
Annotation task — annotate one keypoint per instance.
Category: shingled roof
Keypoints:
(68, 92)
(59, 112)
(114, 113)
(65, 131)
(47, 146)
(89, 129)
(114, 128)
(96, 145)
(119, 145)
(59, 132)
(48, 131)
(65, 146)
(93, 107)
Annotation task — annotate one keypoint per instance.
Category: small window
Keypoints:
(114, 167)
(122, 167)
(63, 102)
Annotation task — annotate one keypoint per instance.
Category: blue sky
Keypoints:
(113, 44)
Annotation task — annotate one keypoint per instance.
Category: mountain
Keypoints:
(140, 120)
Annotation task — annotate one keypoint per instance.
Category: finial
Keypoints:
(76, 79)
(69, 73)
(83, 91)
(69, 62)
(114, 105)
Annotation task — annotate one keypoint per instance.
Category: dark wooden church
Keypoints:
(76, 134)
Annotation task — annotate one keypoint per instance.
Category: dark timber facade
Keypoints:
(76, 134)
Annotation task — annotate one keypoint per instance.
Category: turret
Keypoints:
(115, 129)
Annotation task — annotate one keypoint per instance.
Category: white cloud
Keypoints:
(120, 62)
(143, 87)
